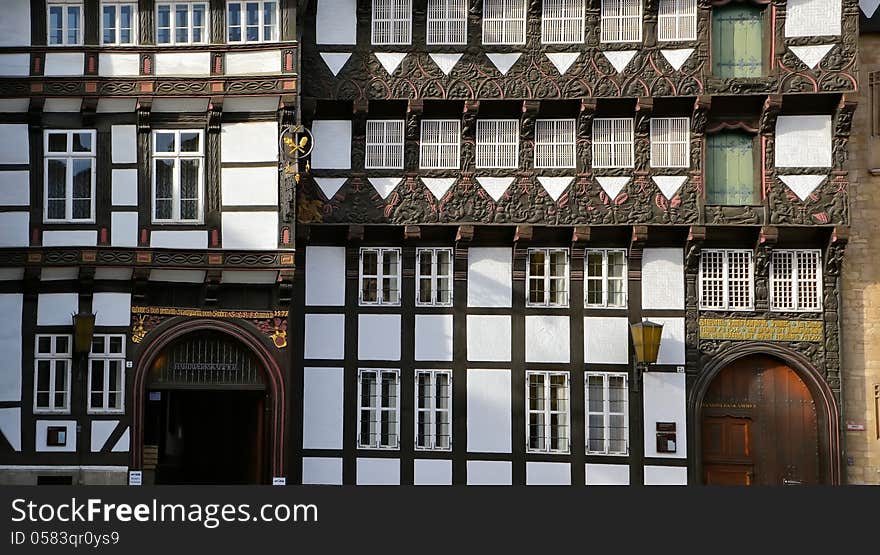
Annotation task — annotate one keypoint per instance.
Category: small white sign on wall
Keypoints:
(279, 481)
(135, 478)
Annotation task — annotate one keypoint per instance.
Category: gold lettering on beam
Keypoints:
(761, 330)
(195, 313)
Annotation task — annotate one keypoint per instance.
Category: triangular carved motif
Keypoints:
(555, 186)
(438, 185)
(620, 58)
(445, 61)
(503, 61)
(335, 60)
(802, 185)
(669, 184)
(330, 185)
(811, 55)
(677, 57)
(495, 186)
(562, 60)
(384, 185)
(613, 185)
(869, 7)
(390, 60)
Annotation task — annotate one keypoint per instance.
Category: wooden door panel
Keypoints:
(727, 439)
(728, 475)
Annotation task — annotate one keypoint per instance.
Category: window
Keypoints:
(497, 143)
(621, 20)
(447, 22)
(726, 278)
(548, 277)
(107, 374)
(554, 143)
(677, 20)
(737, 40)
(613, 143)
(562, 21)
(730, 169)
(69, 168)
(252, 21)
(670, 142)
(182, 23)
(434, 410)
(384, 144)
(379, 276)
(378, 425)
(392, 21)
(796, 280)
(178, 176)
(52, 361)
(434, 277)
(605, 278)
(504, 21)
(118, 25)
(440, 144)
(547, 428)
(606, 407)
(64, 27)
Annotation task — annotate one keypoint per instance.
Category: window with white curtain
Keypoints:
(392, 21)
(182, 23)
(726, 279)
(433, 410)
(612, 143)
(379, 276)
(434, 277)
(69, 170)
(107, 374)
(178, 175)
(563, 21)
(252, 22)
(379, 401)
(504, 21)
(547, 276)
(605, 278)
(119, 23)
(52, 360)
(796, 280)
(447, 21)
(64, 23)
(606, 396)
(555, 143)
(621, 21)
(384, 144)
(497, 143)
(547, 415)
(677, 20)
(439, 144)
(670, 142)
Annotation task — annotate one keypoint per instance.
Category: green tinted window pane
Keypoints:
(736, 41)
(730, 170)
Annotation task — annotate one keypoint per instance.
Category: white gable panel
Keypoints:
(666, 476)
(432, 472)
(379, 336)
(118, 65)
(10, 347)
(433, 337)
(803, 141)
(123, 443)
(124, 229)
(15, 25)
(14, 105)
(665, 401)
(183, 63)
(116, 105)
(332, 140)
(62, 105)
(59, 274)
(14, 229)
(112, 309)
(607, 474)
(67, 64)
(124, 187)
(606, 340)
(251, 104)
(672, 340)
(548, 474)
(256, 186)
(488, 338)
(249, 142)
(56, 309)
(253, 63)
(322, 471)
(11, 274)
(488, 411)
(336, 22)
(101, 430)
(378, 472)
(178, 276)
(489, 473)
(83, 238)
(811, 18)
(325, 276)
(324, 336)
(170, 105)
(250, 230)
(663, 279)
(15, 188)
(10, 426)
(547, 339)
(113, 273)
(15, 65)
(123, 144)
(42, 429)
(14, 143)
(179, 239)
(490, 277)
(322, 408)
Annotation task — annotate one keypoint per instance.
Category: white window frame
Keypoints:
(555, 143)
(434, 275)
(612, 28)
(379, 277)
(385, 139)
(546, 279)
(68, 156)
(513, 27)
(676, 20)
(619, 149)
(563, 22)
(206, 30)
(399, 28)
(442, 143)
(796, 257)
(118, 4)
(178, 156)
(261, 25)
(605, 278)
(450, 19)
(668, 151)
(65, 5)
(548, 412)
(493, 143)
(53, 357)
(725, 279)
(606, 412)
(107, 360)
(378, 409)
(432, 410)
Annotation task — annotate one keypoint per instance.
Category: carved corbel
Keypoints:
(835, 252)
(139, 280)
(763, 252)
(144, 105)
(696, 238)
(843, 119)
(465, 234)
(468, 134)
(769, 114)
(644, 109)
(523, 234)
(215, 114)
(212, 286)
(527, 121)
(412, 232)
(700, 114)
(580, 236)
(88, 109)
(414, 111)
(693, 247)
(285, 287)
(636, 246)
(355, 233)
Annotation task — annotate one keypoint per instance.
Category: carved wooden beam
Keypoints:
(411, 232)
(355, 233)
(523, 233)
(465, 233)
(580, 235)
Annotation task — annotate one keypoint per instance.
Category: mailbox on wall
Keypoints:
(666, 440)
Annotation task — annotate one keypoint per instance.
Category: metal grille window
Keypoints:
(563, 21)
(392, 21)
(178, 176)
(440, 142)
(64, 23)
(547, 421)
(379, 402)
(379, 276)
(182, 23)
(119, 23)
(504, 21)
(384, 144)
(677, 20)
(548, 277)
(606, 397)
(107, 374)
(69, 169)
(670, 142)
(605, 278)
(613, 143)
(497, 143)
(447, 21)
(621, 20)
(796, 280)
(52, 362)
(434, 277)
(434, 410)
(252, 21)
(554, 143)
(726, 279)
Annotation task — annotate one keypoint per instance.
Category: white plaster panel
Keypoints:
(666, 476)
(324, 336)
(548, 474)
(332, 140)
(251, 104)
(433, 337)
(489, 473)
(179, 104)
(379, 336)
(179, 239)
(325, 276)
(68, 105)
(803, 142)
(101, 430)
(14, 144)
(124, 229)
(607, 474)
(11, 274)
(65, 64)
(606, 340)
(183, 63)
(118, 65)
(59, 274)
(15, 188)
(124, 144)
(123, 443)
(432, 472)
(15, 25)
(488, 338)
(41, 436)
(488, 411)
(253, 63)
(249, 186)
(250, 230)
(547, 339)
(378, 472)
(14, 229)
(178, 276)
(81, 238)
(249, 276)
(672, 340)
(10, 426)
(18, 105)
(10, 347)
(116, 105)
(322, 471)
(249, 142)
(56, 309)
(490, 277)
(812, 18)
(113, 273)
(336, 22)
(15, 65)
(112, 309)
(322, 408)
(663, 279)
(665, 401)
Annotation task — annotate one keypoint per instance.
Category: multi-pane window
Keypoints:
(613, 143)
(547, 421)
(107, 373)
(563, 21)
(621, 20)
(379, 276)
(737, 40)
(497, 143)
(434, 410)
(440, 142)
(796, 280)
(178, 176)
(118, 23)
(379, 405)
(504, 21)
(605, 278)
(555, 143)
(606, 411)
(677, 20)
(384, 144)
(181, 23)
(670, 142)
(447, 21)
(434, 277)
(252, 21)
(52, 361)
(548, 277)
(64, 23)
(69, 165)
(730, 169)
(726, 278)
(392, 21)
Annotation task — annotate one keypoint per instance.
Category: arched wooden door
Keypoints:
(759, 426)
